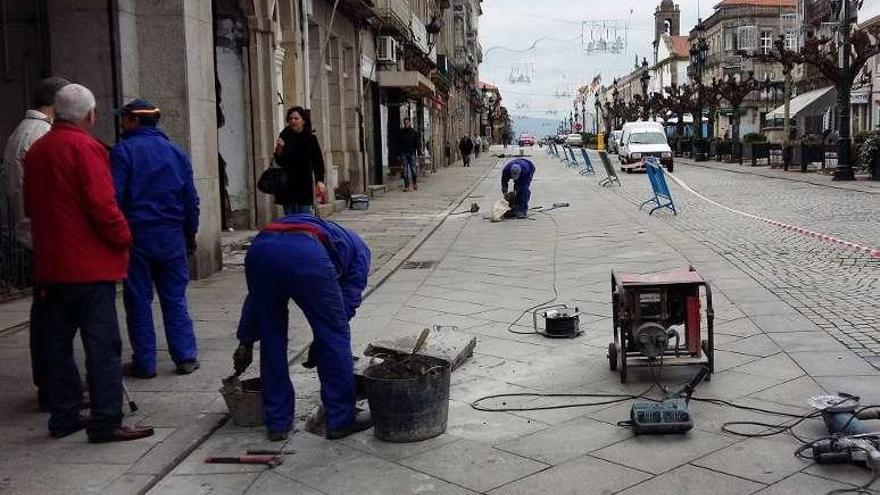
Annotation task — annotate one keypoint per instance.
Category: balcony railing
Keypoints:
(419, 34)
(395, 15)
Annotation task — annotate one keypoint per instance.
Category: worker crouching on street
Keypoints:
(156, 192)
(520, 171)
(323, 268)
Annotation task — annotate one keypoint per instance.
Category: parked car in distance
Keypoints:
(639, 142)
(614, 141)
(526, 139)
(574, 140)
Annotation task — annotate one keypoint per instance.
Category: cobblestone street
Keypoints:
(833, 287)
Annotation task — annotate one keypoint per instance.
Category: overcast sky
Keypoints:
(517, 24)
(561, 66)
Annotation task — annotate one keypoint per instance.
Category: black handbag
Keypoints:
(274, 181)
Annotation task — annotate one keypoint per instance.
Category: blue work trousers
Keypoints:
(294, 208)
(284, 266)
(158, 257)
(523, 194)
(410, 173)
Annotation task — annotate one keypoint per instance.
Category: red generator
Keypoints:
(649, 311)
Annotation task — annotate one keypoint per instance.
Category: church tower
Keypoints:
(667, 20)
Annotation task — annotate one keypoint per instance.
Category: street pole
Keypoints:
(786, 118)
(844, 170)
(584, 112)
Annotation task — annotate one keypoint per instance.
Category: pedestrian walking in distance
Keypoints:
(323, 267)
(410, 148)
(157, 195)
(466, 147)
(478, 147)
(81, 244)
(36, 123)
(298, 153)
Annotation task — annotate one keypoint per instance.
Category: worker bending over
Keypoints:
(323, 267)
(520, 171)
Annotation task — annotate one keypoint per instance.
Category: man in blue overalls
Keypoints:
(156, 192)
(323, 268)
(520, 171)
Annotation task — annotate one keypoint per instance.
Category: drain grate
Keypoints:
(417, 265)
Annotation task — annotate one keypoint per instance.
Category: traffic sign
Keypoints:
(578, 126)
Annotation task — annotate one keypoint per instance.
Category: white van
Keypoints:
(641, 139)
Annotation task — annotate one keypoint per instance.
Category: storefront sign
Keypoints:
(859, 99)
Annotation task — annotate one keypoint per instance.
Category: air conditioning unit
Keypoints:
(386, 49)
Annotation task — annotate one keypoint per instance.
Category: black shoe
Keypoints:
(188, 367)
(81, 423)
(362, 421)
(132, 371)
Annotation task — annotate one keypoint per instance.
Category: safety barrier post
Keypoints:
(662, 198)
(611, 174)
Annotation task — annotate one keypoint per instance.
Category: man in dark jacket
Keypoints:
(410, 147)
(156, 192)
(466, 147)
(81, 243)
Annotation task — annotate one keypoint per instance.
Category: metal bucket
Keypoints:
(409, 409)
(244, 399)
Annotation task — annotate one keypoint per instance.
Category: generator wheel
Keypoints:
(612, 356)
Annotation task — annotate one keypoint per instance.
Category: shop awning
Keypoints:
(809, 104)
(411, 82)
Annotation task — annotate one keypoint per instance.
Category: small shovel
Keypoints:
(420, 342)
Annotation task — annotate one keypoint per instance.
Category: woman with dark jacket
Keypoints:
(298, 153)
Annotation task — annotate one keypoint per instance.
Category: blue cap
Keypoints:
(139, 107)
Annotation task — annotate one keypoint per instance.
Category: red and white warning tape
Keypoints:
(818, 235)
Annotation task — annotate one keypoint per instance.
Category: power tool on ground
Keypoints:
(852, 441)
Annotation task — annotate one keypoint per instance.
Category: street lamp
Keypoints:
(615, 96)
(698, 53)
(584, 111)
(646, 77)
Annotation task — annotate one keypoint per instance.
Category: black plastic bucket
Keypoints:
(408, 409)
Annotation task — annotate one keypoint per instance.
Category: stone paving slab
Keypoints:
(692, 480)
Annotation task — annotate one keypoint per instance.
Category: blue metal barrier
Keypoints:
(572, 162)
(661, 198)
(588, 167)
(610, 173)
(564, 156)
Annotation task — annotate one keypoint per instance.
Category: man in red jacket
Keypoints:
(81, 243)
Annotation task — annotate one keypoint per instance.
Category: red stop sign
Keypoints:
(578, 126)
